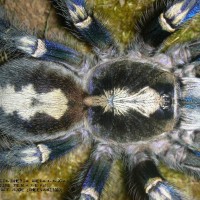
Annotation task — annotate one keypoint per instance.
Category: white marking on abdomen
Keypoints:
(28, 102)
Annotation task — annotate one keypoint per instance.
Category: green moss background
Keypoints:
(119, 16)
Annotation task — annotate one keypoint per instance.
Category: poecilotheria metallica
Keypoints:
(139, 105)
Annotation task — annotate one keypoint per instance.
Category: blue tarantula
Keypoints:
(139, 105)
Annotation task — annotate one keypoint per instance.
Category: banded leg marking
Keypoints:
(164, 20)
(37, 154)
(97, 174)
(84, 25)
(145, 182)
(47, 50)
(13, 39)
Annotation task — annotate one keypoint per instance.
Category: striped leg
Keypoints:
(183, 59)
(184, 157)
(144, 180)
(85, 26)
(185, 53)
(164, 19)
(92, 179)
(14, 40)
(39, 153)
(191, 139)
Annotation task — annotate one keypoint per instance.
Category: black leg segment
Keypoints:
(38, 153)
(83, 24)
(145, 182)
(90, 183)
(164, 18)
(14, 40)
(183, 157)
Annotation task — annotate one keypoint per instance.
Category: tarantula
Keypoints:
(139, 105)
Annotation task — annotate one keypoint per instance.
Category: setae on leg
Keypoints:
(84, 25)
(163, 20)
(14, 40)
(38, 153)
(90, 183)
(144, 180)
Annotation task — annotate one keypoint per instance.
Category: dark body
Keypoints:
(29, 80)
(140, 107)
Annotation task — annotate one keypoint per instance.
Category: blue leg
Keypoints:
(194, 50)
(37, 154)
(190, 7)
(182, 59)
(84, 25)
(48, 50)
(144, 180)
(164, 20)
(185, 53)
(188, 138)
(96, 173)
(14, 40)
(184, 157)
(95, 180)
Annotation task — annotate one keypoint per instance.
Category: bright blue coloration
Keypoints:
(56, 51)
(97, 176)
(77, 2)
(197, 153)
(191, 102)
(93, 32)
(70, 4)
(188, 99)
(190, 106)
(169, 189)
(194, 11)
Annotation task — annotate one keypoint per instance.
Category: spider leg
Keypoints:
(188, 138)
(189, 70)
(193, 69)
(81, 22)
(184, 53)
(163, 20)
(14, 40)
(184, 157)
(143, 178)
(182, 59)
(34, 154)
(95, 173)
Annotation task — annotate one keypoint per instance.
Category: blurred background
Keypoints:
(119, 16)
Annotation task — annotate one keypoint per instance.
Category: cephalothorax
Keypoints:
(139, 105)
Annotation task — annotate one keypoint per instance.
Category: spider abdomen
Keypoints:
(38, 100)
